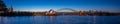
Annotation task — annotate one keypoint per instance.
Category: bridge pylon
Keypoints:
(80, 13)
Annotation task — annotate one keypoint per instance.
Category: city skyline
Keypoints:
(45, 5)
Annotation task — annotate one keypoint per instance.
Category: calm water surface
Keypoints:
(60, 20)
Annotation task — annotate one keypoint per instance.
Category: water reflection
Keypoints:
(60, 20)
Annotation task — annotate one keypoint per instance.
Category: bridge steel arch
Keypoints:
(66, 9)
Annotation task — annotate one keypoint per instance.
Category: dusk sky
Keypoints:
(41, 5)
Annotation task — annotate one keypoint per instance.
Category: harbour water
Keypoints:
(60, 20)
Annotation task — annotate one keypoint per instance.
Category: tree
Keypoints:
(2, 6)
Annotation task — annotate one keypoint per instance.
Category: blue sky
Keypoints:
(104, 5)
